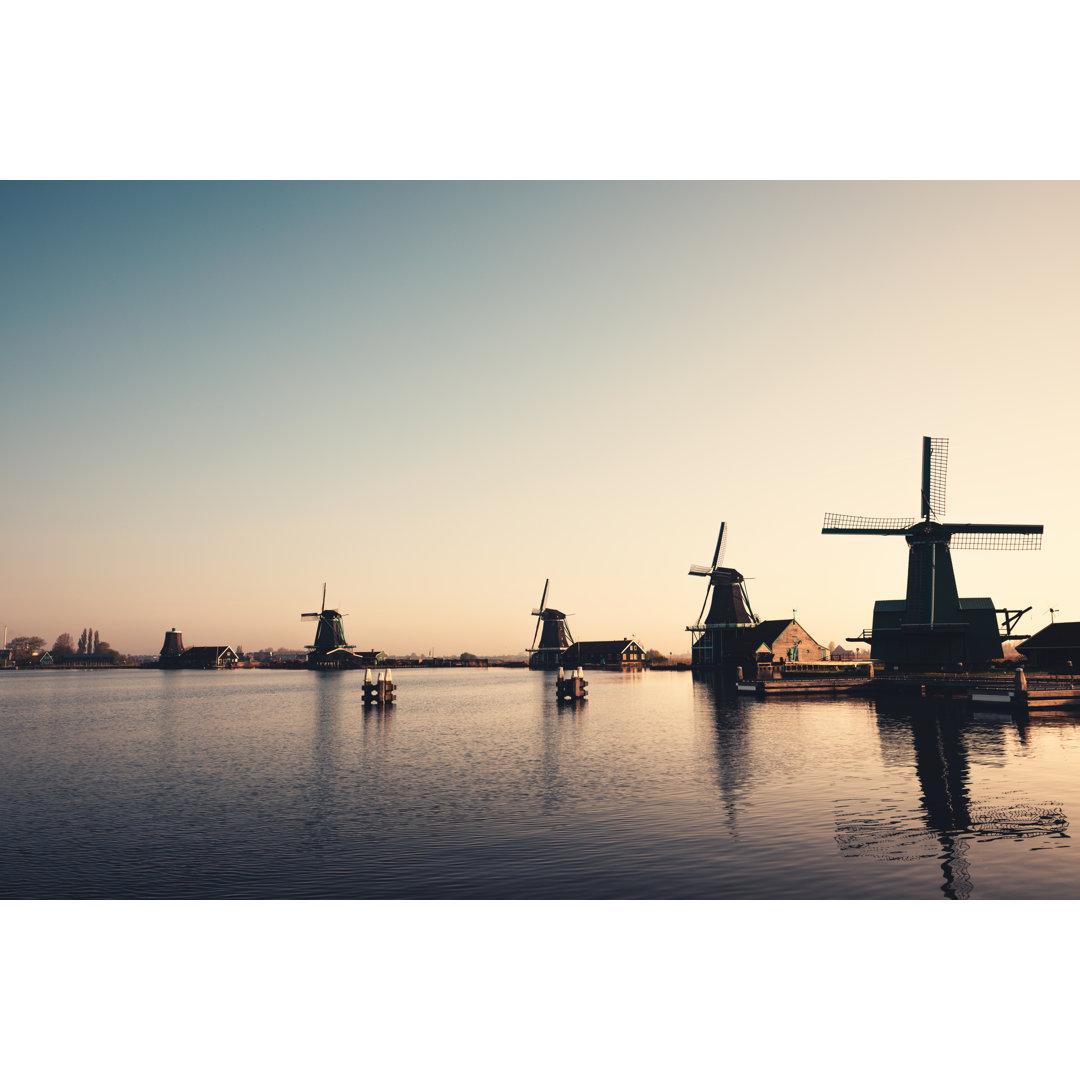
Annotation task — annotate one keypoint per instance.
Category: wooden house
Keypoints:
(774, 642)
(209, 656)
(622, 655)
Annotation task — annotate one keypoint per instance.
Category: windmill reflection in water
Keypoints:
(952, 818)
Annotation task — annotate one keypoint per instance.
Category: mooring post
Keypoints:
(571, 688)
(381, 691)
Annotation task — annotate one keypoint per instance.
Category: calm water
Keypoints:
(477, 785)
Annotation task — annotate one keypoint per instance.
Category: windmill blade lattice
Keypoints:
(840, 523)
(997, 538)
(721, 546)
(539, 612)
(938, 466)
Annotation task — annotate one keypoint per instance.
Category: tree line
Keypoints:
(24, 648)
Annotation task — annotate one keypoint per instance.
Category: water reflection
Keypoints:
(939, 739)
(328, 691)
(729, 727)
(561, 726)
(171, 700)
(318, 793)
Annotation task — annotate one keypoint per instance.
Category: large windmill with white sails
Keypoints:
(933, 626)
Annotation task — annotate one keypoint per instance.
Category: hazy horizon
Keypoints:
(435, 396)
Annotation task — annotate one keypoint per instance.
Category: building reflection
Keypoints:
(939, 739)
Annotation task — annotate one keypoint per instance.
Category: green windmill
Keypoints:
(933, 626)
(330, 643)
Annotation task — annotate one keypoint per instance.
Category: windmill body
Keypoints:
(553, 633)
(933, 626)
(715, 636)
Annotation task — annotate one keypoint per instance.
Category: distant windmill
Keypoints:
(729, 611)
(330, 633)
(933, 625)
(330, 649)
(555, 637)
(1051, 612)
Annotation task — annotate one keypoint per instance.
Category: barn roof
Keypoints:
(755, 638)
(598, 648)
(205, 652)
(1062, 635)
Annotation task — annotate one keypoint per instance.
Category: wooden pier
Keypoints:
(1016, 692)
(825, 687)
(1012, 692)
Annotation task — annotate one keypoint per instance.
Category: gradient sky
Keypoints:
(433, 396)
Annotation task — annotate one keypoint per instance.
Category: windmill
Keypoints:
(729, 612)
(933, 625)
(330, 650)
(555, 637)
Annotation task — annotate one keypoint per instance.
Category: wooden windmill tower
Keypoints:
(712, 640)
(330, 649)
(554, 639)
(933, 626)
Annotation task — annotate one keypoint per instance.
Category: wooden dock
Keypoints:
(825, 687)
(1016, 692)
(1012, 692)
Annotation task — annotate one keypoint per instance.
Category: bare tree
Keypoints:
(63, 646)
(23, 647)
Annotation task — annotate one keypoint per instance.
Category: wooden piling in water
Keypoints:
(380, 692)
(571, 688)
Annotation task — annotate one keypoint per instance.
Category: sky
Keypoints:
(434, 396)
